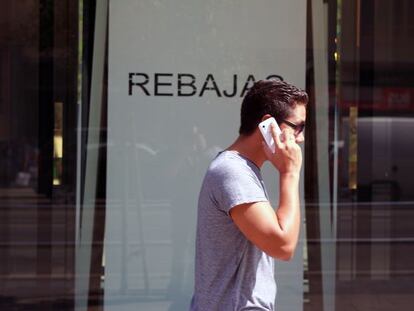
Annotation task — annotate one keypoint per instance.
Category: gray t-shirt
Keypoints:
(231, 273)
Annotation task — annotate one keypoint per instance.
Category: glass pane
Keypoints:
(363, 226)
(110, 112)
(38, 106)
(174, 99)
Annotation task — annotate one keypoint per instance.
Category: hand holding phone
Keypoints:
(266, 130)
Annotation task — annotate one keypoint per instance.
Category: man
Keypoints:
(238, 231)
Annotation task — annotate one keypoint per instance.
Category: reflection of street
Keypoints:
(19, 164)
(374, 257)
(36, 251)
(29, 282)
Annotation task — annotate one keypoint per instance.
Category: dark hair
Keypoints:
(273, 97)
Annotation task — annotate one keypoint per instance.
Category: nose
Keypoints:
(300, 138)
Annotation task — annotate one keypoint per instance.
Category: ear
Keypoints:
(266, 116)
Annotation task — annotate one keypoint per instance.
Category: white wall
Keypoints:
(160, 146)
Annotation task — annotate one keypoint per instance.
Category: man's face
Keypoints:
(296, 122)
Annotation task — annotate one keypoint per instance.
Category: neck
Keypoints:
(250, 147)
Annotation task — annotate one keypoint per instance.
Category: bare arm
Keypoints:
(288, 212)
(276, 233)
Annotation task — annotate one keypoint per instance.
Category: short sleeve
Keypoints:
(235, 185)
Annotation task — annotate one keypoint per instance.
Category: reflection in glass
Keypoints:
(359, 246)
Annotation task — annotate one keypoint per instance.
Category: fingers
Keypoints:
(288, 136)
(285, 137)
(276, 137)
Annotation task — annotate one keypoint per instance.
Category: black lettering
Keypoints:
(277, 77)
(234, 88)
(140, 84)
(246, 87)
(182, 84)
(213, 87)
(157, 84)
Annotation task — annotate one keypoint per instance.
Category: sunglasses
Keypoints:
(298, 128)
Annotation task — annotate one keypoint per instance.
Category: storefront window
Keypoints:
(110, 112)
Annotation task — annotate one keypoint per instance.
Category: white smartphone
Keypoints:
(266, 131)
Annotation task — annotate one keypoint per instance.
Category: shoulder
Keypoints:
(230, 172)
(232, 180)
(230, 164)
